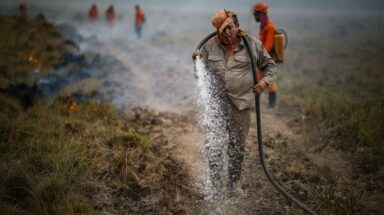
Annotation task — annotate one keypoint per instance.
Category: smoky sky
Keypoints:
(350, 5)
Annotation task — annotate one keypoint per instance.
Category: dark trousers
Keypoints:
(138, 29)
(236, 126)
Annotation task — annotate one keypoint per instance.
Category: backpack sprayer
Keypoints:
(258, 126)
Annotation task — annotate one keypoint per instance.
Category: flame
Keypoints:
(32, 59)
(72, 106)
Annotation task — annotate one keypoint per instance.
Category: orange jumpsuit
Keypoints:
(267, 35)
(139, 17)
(93, 13)
(23, 9)
(110, 14)
(139, 21)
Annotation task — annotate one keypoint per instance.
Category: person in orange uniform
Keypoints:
(139, 20)
(267, 34)
(23, 9)
(110, 15)
(93, 13)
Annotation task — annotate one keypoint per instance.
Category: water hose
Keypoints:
(258, 126)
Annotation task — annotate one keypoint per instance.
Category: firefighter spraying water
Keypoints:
(225, 53)
(231, 97)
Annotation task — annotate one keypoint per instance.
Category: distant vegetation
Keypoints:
(335, 78)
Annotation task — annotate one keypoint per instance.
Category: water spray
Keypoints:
(258, 126)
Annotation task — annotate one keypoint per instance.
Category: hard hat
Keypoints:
(260, 7)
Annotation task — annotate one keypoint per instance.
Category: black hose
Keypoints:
(260, 143)
(258, 126)
(205, 40)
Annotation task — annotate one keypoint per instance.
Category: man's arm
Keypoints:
(202, 55)
(266, 64)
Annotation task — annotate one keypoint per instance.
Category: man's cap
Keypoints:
(221, 19)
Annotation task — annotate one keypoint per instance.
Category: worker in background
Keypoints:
(93, 13)
(110, 14)
(139, 20)
(23, 9)
(267, 35)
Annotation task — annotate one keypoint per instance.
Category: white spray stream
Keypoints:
(211, 113)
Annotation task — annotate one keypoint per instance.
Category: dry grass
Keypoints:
(48, 152)
(131, 160)
(58, 161)
(333, 74)
(41, 164)
(330, 200)
(28, 45)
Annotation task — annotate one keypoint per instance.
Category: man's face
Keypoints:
(257, 16)
(231, 30)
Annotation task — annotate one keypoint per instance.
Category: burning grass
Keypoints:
(55, 161)
(28, 44)
(41, 165)
(73, 157)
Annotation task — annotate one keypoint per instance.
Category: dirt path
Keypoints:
(259, 196)
(292, 158)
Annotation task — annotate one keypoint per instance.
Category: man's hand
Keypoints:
(195, 54)
(259, 87)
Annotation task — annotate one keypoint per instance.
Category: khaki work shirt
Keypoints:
(236, 71)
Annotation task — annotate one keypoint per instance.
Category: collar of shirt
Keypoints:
(238, 48)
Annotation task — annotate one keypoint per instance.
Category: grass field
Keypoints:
(53, 157)
(334, 75)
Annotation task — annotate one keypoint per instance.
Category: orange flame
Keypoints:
(32, 59)
(72, 106)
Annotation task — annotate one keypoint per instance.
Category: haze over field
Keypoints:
(324, 139)
(300, 4)
(174, 28)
